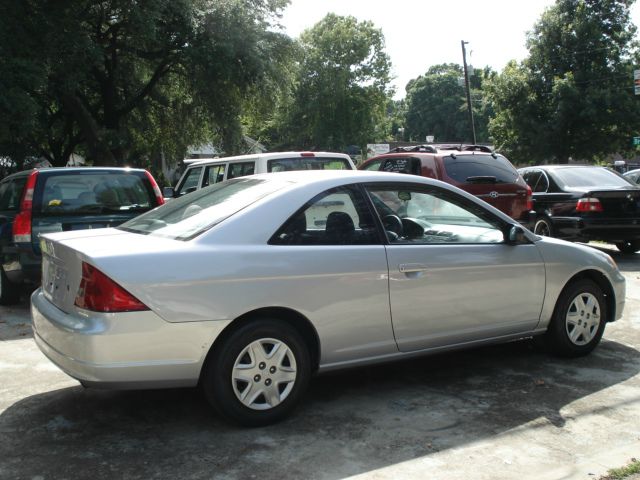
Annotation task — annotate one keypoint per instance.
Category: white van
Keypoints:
(207, 171)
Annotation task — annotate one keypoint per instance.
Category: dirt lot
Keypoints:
(492, 413)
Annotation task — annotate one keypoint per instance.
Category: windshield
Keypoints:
(577, 177)
(307, 163)
(473, 168)
(187, 217)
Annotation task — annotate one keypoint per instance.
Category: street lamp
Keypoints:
(466, 81)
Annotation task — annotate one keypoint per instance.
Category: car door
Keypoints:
(332, 253)
(452, 277)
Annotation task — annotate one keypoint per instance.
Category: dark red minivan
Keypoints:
(473, 168)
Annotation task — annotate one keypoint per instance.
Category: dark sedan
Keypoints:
(585, 202)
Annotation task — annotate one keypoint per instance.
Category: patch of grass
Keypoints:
(623, 472)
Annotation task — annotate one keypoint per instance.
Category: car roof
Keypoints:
(49, 170)
(560, 166)
(266, 156)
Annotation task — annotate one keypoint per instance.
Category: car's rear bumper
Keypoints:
(123, 350)
(612, 230)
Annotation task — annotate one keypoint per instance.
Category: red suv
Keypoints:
(473, 168)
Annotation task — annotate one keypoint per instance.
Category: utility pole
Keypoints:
(466, 82)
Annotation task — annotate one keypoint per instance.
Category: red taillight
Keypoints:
(589, 205)
(21, 229)
(529, 198)
(156, 188)
(99, 293)
(307, 154)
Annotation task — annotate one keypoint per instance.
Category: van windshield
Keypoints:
(307, 163)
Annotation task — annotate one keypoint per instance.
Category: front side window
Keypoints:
(11, 193)
(373, 166)
(189, 216)
(214, 174)
(190, 182)
(415, 215)
(336, 217)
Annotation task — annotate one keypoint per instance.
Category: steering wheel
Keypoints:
(392, 223)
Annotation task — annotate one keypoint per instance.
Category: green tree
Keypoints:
(436, 105)
(573, 95)
(120, 80)
(341, 92)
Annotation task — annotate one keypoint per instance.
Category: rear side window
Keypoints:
(187, 217)
(11, 193)
(241, 169)
(99, 192)
(402, 165)
(307, 163)
(474, 168)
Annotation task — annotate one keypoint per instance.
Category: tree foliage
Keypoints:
(117, 80)
(340, 92)
(436, 105)
(573, 95)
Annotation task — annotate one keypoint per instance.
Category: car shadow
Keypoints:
(350, 422)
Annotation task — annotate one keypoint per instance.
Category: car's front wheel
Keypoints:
(629, 246)
(258, 374)
(578, 321)
(9, 292)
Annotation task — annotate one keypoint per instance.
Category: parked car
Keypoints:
(204, 172)
(585, 202)
(633, 176)
(473, 168)
(250, 286)
(61, 199)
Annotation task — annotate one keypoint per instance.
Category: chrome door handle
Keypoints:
(412, 267)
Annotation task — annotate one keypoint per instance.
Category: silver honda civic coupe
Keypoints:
(250, 286)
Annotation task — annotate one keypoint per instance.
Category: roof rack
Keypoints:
(416, 148)
(476, 148)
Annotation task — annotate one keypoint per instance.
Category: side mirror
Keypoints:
(168, 192)
(516, 235)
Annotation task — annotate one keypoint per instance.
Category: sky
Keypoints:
(422, 33)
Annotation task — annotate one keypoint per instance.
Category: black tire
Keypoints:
(220, 387)
(629, 246)
(543, 227)
(9, 292)
(573, 330)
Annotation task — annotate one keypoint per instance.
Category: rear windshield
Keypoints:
(94, 192)
(473, 168)
(307, 163)
(589, 177)
(11, 193)
(187, 217)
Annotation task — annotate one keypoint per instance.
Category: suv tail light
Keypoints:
(99, 293)
(529, 198)
(589, 205)
(307, 154)
(156, 188)
(22, 223)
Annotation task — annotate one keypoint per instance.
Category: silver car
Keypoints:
(250, 286)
